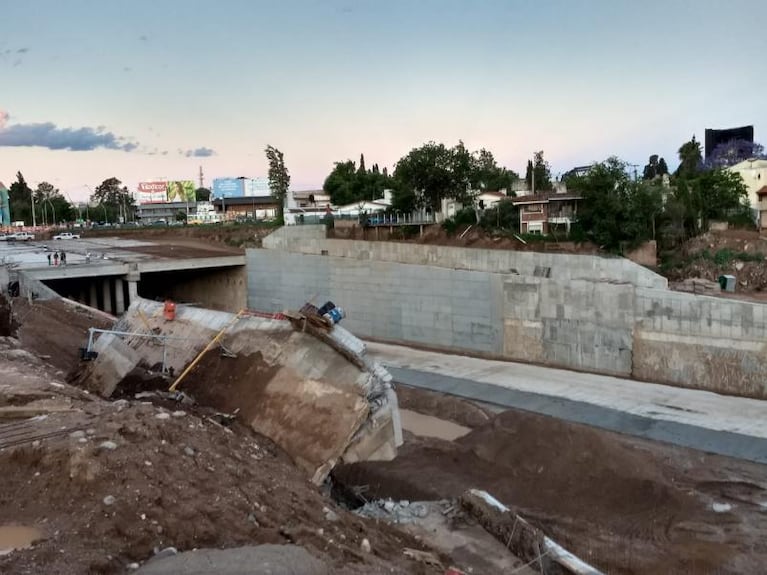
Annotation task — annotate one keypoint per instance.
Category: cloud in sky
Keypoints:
(48, 135)
(202, 152)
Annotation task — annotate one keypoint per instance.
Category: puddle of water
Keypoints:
(428, 426)
(13, 537)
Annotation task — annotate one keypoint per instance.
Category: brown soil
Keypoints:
(177, 480)
(443, 406)
(55, 330)
(623, 504)
(473, 238)
(220, 235)
(751, 275)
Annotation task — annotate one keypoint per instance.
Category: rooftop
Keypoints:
(545, 197)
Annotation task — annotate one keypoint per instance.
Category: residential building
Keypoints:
(762, 195)
(754, 174)
(545, 212)
(246, 207)
(487, 200)
(308, 199)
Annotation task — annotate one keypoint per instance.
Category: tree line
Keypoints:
(618, 209)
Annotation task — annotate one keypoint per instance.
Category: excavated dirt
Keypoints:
(108, 483)
(622, 504)
(54, 329)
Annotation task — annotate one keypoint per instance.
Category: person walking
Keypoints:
(56, 258)
(63, 258)
(49, 258)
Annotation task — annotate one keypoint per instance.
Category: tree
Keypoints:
(340, 183)
(180, 216)
(690, 159)
(433, 172)
(733, 152)
(655, 168)
(20, 200)
(617, 211)
(115, 200)
(202, 195)
(423, 178)
(538, 173)
(279, 180)
(51, 206)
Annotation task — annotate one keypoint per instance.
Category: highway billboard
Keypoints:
(164, 192)
(152, 193)
(240, 187)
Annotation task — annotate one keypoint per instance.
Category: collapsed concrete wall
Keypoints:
(563, 267)
(600, 326)
(292, 387)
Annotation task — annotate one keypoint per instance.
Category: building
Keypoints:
(309, 199)
(246, 208)
(715, 137)
(762, 195)
(546, 212)
(754, 174)
(487, 200)
(167, 211)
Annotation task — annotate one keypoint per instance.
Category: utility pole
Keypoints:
(202, 179)
(32, 197)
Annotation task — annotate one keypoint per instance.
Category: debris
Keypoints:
(178, 413)
(365, 545)
(189, 451)
(109, 445)
(330, 515)
(109, 500)
(167, 552)
(162, 415)
(721, 507)
(77, 434)
(422, 557)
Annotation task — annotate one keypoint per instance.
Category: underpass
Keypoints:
(110, 273)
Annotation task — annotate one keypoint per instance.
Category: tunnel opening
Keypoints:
(222, 288)
(108, 293)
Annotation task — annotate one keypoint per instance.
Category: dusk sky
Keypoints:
(145, 90)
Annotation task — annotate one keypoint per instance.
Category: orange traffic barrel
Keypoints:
(169, 311)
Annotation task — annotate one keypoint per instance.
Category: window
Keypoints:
(535, 228)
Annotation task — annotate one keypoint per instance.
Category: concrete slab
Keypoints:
(702, 420)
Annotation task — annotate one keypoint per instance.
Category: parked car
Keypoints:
(23, 236)
(66, 236)
(7, 237)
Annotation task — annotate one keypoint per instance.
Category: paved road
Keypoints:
(698, 419)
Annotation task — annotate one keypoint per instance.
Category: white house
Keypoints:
(754, 174)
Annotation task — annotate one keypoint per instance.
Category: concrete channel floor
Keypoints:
(725, 425)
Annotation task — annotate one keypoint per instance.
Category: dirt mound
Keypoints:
(136, 477)
(211, 235)
(447, 407)
(740, 253)
(625, 505)
(55, 329)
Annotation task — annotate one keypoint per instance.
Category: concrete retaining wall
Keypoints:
(563, 267)
(601, 326)
(427, 305)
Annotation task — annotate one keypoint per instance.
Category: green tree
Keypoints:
(423, 177)
(20, 199)
(52, 207)
(654, 168)
(617, 212)
(279, 180)
(538, 173)
(202, 195)
(690, 159)
(114, 199)
(340, 183)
